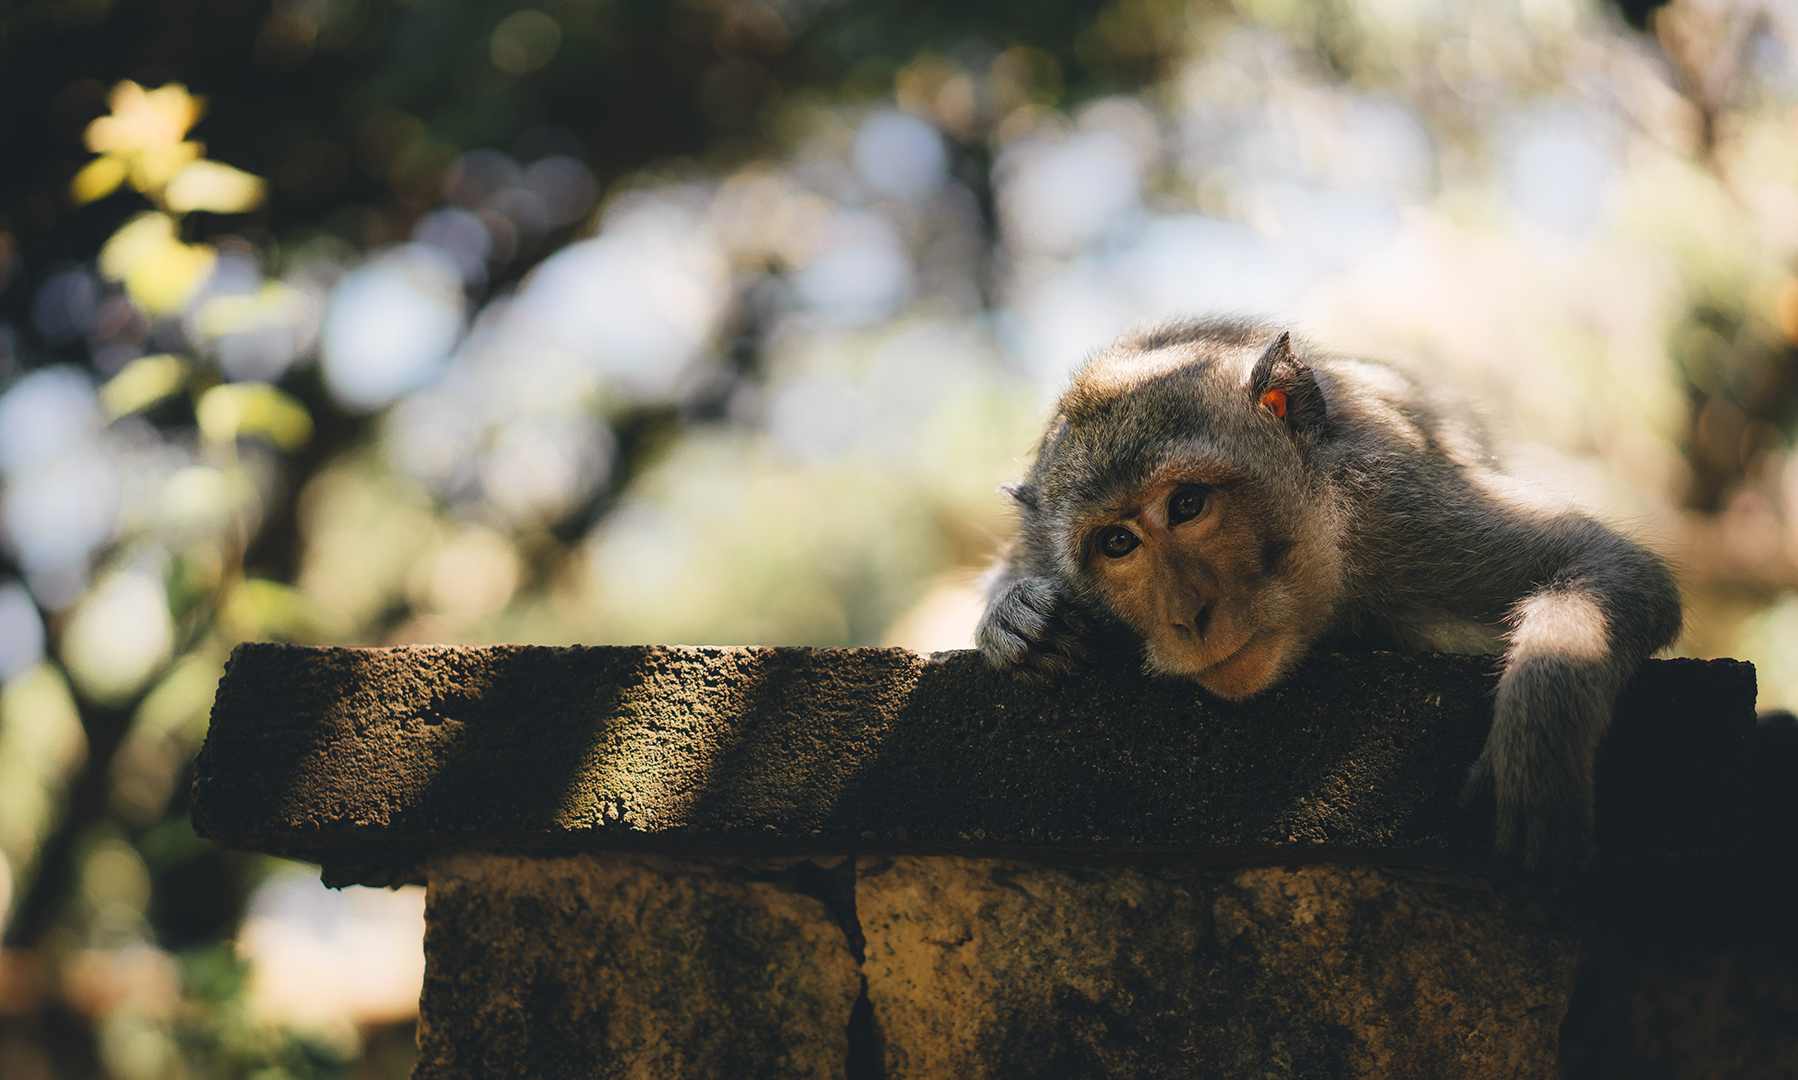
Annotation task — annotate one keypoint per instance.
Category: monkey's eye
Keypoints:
(1186, 504)
(1117, 542)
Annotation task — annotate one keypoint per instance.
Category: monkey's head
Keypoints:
(1176, 488)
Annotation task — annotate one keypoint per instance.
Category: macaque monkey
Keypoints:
(1232, 496)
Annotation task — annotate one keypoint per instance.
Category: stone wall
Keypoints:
(654, 862)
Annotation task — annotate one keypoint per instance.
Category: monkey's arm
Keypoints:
(1581, 607)
(1032, 625)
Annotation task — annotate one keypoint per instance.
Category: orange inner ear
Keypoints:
(1274, 401)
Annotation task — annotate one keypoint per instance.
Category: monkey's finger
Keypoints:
(1008, 650)
(1068, 637)
(1001, 645)
(1037, 595)
(1048, 662)
(1055, 636)
(1549, 838)
(1018, 618)
(1046, 668)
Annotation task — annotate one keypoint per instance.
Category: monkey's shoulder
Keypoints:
(1387, 409)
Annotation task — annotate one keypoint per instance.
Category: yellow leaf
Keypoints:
(164, 286)
(143, 383)
(154, 166)
(160, 272)
(97, 179)
(145, 236)
(144, 119)
(212, 186)
(235, 410)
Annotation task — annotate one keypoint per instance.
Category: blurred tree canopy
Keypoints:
(720, 321)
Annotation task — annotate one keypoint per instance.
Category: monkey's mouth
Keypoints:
(1181, 662)
(1244, 671)
(1234, 654)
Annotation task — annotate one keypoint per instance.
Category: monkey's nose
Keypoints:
(1201, 622)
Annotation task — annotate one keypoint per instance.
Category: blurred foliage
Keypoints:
(721, 321)
(143, 139)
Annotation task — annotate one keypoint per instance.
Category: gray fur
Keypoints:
(1432, 539)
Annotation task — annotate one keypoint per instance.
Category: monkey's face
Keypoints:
(1212, 578)
(1174, 488)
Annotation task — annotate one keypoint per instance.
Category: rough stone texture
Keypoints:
(629, 967)
(977, 966)
(620, 965)
(1117, 877)
(343, 755)
(982, 968)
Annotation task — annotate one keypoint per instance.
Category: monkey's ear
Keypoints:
(1025, 494)
(1283, 385)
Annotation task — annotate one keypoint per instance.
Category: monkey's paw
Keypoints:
(1034, 629)
(1543, 816)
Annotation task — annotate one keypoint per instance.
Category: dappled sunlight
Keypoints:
(444, 352)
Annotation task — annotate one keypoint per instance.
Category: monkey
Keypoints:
(1229, 496)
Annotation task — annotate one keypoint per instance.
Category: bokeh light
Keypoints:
(119, 635)
(21, 630)
(362, 323)
(390, 326)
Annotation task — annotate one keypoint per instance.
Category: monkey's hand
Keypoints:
(1537, 769)
(1560, 683)
(1033, 628)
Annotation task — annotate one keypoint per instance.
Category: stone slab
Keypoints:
(623, 966)
(370, 755)
(628, 968)
(991, 968)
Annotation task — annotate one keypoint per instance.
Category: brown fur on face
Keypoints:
(1228, 598)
